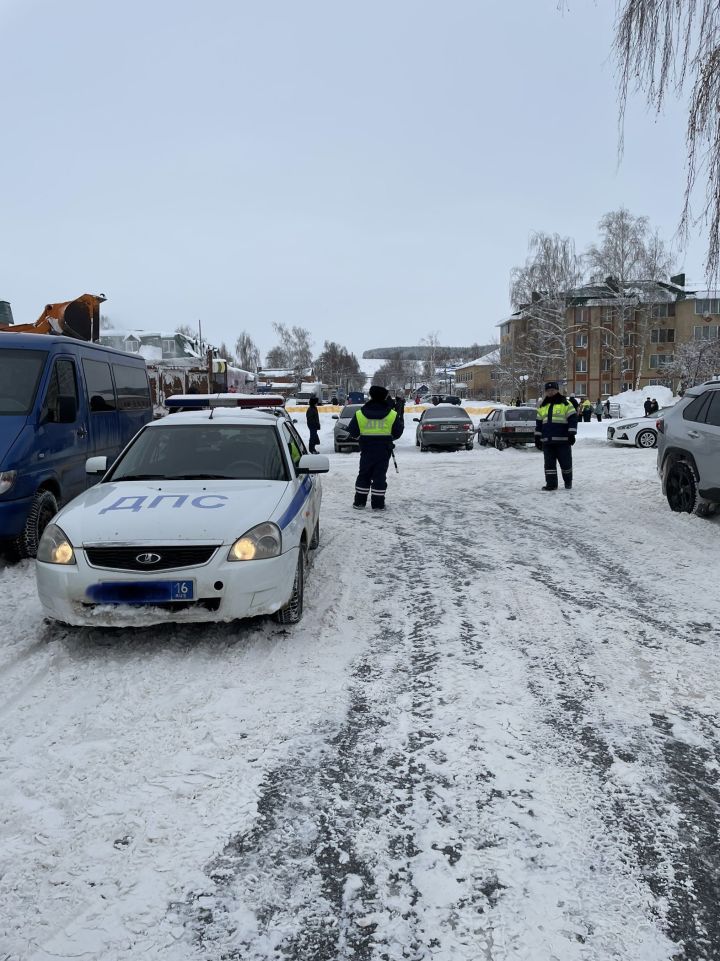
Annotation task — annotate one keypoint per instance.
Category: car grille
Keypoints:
(126, 558)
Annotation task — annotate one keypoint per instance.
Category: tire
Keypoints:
(293, 610)
(646, 439)
(681, 488)
(468, 447)
(315, 539)
(43, 508)
(499, 443)
(481, 441)
(417, 442)
(423, 449)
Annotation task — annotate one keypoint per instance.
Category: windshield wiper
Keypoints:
(129, 477)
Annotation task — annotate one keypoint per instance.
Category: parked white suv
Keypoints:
(689, 451)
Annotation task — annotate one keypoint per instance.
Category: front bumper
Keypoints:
(224, 591)
(619, 437)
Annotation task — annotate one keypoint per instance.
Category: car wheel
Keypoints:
(42, 510)
(469, 446)
(293, 610)
(646, 438)
(417, 442)
(315, 539)
(481, 441)
(499, 443)
(681, 488)
(338, 448)
(423, 449)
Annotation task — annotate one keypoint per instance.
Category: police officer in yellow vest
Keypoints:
(555, 430)
(376, 425)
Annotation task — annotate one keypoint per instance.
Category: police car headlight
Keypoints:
(257, 544)
(54, 547)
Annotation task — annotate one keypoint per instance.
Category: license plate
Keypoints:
(448, 427)
(148, 592)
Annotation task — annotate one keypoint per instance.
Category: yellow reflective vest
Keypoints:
(556, 421)
(376, 426)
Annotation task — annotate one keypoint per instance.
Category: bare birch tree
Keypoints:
(248, 355)
(540, 290)
(669, 46)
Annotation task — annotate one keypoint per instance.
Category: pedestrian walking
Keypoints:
(598, 409)
(313, 421)
(586, 409)
(555, 431)
(377, 424)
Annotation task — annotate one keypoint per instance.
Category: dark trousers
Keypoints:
(314, 440)
(374, 462)
(555, 454)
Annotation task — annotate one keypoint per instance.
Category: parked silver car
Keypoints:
(688, 458)
(444, 426)
(343, 441)
(507, 427)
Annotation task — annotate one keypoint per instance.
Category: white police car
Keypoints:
(206, 516)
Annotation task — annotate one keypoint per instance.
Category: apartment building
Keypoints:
(480, 379)
(615, 339)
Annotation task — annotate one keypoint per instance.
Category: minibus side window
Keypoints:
(99, 386)
(63, 383)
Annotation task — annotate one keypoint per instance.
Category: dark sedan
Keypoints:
(444, 426)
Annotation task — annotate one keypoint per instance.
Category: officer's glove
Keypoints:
(572, 439)
(538, 443)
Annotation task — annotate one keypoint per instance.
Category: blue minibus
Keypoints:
(61, 401)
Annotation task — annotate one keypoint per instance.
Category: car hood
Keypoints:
(157, 511)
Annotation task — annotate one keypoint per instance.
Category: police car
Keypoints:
(207, 515)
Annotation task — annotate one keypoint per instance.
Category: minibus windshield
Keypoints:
(20, 372)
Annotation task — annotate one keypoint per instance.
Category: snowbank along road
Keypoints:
(494, 735)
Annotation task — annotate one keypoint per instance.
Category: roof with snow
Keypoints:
(487, 360)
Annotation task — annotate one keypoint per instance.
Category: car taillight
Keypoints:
(429, 426)
(660, 424)
(467, 426)
(507, 430)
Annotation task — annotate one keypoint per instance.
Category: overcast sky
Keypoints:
(371, 171)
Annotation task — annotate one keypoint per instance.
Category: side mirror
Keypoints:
(416, 419)
(336, 417)
(96, 465)
(294, 420)
(313, 464)
(67, 410)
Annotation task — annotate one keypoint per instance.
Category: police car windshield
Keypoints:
(205, 451)
(20, 372)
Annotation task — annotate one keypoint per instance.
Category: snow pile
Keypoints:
(631, 401)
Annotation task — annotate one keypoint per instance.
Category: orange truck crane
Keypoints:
(79, 318)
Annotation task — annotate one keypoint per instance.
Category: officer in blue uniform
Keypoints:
(377, 424)
(555, 430)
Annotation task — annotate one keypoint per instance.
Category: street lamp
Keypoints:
(523, 378)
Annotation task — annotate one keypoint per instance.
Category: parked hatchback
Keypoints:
(343, 441)
(507, 427)
(689, 451)
(444, 426)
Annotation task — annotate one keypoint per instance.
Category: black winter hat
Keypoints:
(378, 392)
(552, 385)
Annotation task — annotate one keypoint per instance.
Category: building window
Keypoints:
(628, 339)
(659, 311)
(627, 385)
(658, 335)
(581, 340)
(132, 346)
(654, 382)
(659, 360)
(581, 365)
(607, 364)
(606, 338)
(628, 363)
(708, 332)
(168, 347)
(707, 306)
(605, 387)
(582, 315)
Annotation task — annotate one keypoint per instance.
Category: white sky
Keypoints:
(366, 170)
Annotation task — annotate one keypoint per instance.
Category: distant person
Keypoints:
(607, 407)
(313, 421)
(598, 409)
(647, 406)
(518, 402)
(655, 407)
(586, 409)
(555, 430)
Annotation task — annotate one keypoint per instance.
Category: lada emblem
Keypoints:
(148, 558)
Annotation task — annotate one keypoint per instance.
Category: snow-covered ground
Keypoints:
(494, 735)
